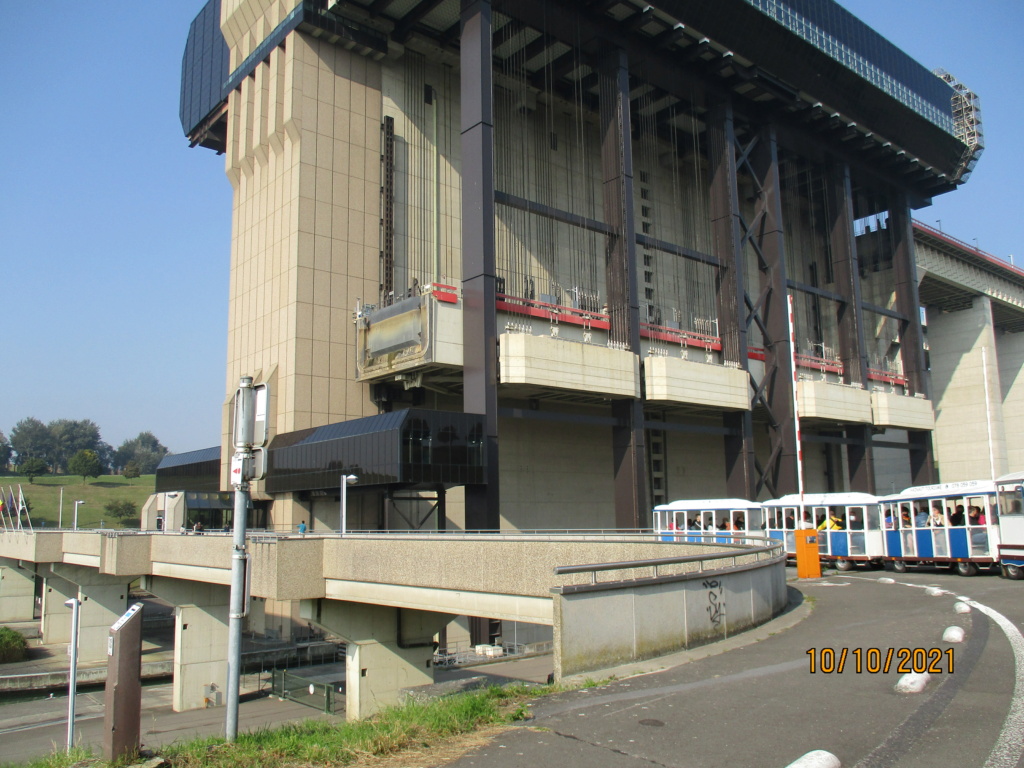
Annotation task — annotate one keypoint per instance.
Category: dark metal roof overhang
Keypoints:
(190, 471)
(739, 51)
(409, 448)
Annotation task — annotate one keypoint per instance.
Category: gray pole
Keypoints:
(240, 470)
(74, 604)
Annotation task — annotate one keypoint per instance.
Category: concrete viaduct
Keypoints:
(387, 595)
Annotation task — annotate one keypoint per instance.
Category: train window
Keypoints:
(872, 517)
(1010, 500)
(856, 517)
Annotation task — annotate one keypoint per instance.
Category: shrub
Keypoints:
(12, 645)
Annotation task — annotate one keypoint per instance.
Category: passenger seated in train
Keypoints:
(905, 520)
(740, 523)
(936, 520)
(975, 516)
(694, 524)
(834, 521)
(806, 522)
(790, 523)
(920, 517)
(957, 517)
(856, 522)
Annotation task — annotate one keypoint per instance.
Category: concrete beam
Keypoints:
(200, 640)
(104, 600)
(17, 591)
(388, 649)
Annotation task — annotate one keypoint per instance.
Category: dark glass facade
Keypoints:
(204, 68)
(842, 36)
(409, 448)
(191, 471)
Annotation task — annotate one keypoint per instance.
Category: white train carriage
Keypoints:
(1010, 490)
(850, 524)
(947, 523)
(696, 519)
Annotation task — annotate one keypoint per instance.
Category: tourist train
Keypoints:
(964, 525)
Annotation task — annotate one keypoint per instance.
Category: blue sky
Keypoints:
(115, 236)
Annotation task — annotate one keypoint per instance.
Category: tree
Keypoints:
(131, 470)
(145, 450)
(106, 453)
(122, 509)
(68, 438)
(5, 452)
(31, 439)
(33, 467)
(85, 463)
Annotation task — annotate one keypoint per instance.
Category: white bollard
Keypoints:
(819, 758)
(886, 580)
(961, 608)
(953, 635)
(935, 592)
(912, 682)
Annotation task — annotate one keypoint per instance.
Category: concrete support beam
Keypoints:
(200, 640)
(17, 591)
(969, 435)
(104, 600)
(1010, 353)
(388, 649)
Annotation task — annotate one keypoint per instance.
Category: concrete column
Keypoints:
(17, 592)
(56, 620)
(1010, 353)
(104, 600)
(200, 640)
(970, 442)
(388, 649)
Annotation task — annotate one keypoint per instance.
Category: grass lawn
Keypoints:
(43, 496)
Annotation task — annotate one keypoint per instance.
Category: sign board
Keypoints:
(258, 468)
(259, 436)
(238, 469)
(123, 691)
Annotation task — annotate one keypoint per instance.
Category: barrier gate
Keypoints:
(311, 693)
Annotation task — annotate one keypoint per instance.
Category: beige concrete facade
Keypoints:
(969, 419)
(17, 591)
(303, 161)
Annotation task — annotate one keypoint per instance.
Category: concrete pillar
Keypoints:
(970, 442)
(56, 617)
(388, 649)
(17, 592)
(104, 600)
(1010, 349)
(200, 640)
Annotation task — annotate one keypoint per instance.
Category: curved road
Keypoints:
(761, 705)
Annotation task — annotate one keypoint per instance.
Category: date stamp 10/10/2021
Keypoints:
(880, 660)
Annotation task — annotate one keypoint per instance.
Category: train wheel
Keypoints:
(966, 569)
(900, 566)
(1013, 572)
(842, 564)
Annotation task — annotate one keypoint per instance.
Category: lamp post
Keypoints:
(75, 524)
(74, 604)
(346, 481)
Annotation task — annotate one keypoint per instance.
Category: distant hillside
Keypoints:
(44, 497)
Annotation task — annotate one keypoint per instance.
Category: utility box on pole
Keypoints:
(123, 694)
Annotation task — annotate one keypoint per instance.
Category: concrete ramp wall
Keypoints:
(605, 624)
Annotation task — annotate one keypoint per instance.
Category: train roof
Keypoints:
(822, 499)
(1013, 477)
(696, 505)
(944, 489)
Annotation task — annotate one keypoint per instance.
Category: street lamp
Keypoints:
(76, 513)
(74, 604)
(346, 481)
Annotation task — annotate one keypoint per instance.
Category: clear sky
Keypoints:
(115, 236)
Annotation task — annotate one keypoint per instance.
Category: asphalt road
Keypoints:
(761, 705)
(741, 703)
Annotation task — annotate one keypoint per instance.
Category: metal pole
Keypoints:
(60, 509)
(243, 437)
(346, 481)
(74, 603)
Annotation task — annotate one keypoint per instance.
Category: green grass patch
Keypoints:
(44, 497)
(12, 645)
(416, 724)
